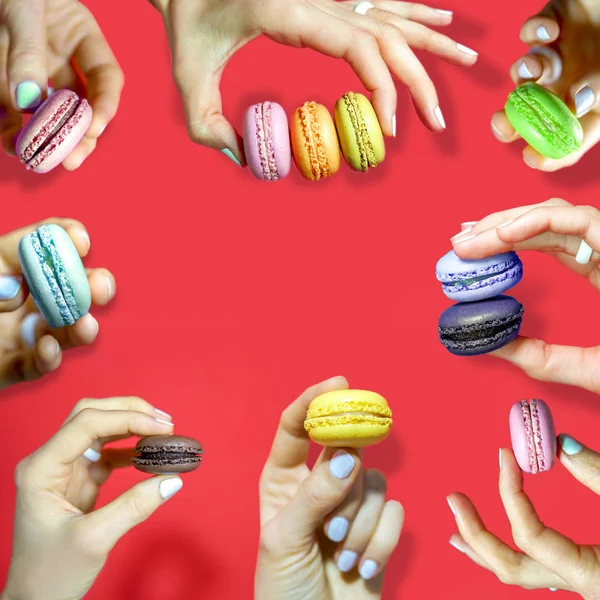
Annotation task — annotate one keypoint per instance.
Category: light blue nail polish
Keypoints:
(338, 528)
(341, 464)
(9, 286)
(346, 560)
(542, 33)
(368, 569)
(51, 91)
(29, 95)
(569, 445)
(229, 154)
(584, 100)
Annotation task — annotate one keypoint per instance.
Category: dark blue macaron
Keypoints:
(471, 328)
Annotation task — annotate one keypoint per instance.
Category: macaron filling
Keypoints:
(315, 146)
(54, 131)
(54, 271)
(264, 137)
(533, 432)
(491, 275)
(363, 140)
(167, 455)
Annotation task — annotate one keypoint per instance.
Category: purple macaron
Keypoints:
(471, 328)
(472, 280)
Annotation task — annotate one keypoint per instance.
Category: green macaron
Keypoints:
(543, 120)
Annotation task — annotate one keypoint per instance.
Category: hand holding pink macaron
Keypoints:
(55, 45)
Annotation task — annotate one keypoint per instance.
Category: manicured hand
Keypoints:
(571, 28)
(59, 542)
(556, 228)
(376, 45)
(547, 559)
(29, 348)
(328, 533)
(42, 40)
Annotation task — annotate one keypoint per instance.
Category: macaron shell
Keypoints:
(280, 132)
(343, 401)
(356, 435)
(548, 126)
(520, 438)
(324, 133)
(251, 150)
(547, 444)
(348, 133)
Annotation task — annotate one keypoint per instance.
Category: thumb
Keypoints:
(132, 508)
(27, 68)
(581, 462)
(320, 493)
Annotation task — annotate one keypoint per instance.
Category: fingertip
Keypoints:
(81, 238)
(533, 159)
(540, 30)
(86, 329)
(502, 129)
(103, 286)
(48, 354)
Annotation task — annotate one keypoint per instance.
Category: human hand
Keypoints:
(59, 542)
(29, 348)
(375, 45)
(555, 227)
(300, 510)
(57, 40)
(547, 559)
(565, 57)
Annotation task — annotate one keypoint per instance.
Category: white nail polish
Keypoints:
(94, 323)
(164, 422)
(523, 71)
(496, 130)
(468, 224)
(346, 560)
(29, 325)
(451, 506)
(86, 235)
(542, 33)
(338, 528)
(169, 487)
(584, 100)
(92, 455)
(505, 224)
(584, 253)
(341, 464)
(467, 50)
(394, 125)
(162, 412)
(459, 235)
(446, 13)
(9, 286)
(102, 130)
(464, 239)
(553, 589)
(439, 116)
(368, 569)
(109, 286)
(500, 457)
(455, 545)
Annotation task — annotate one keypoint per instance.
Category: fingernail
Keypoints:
(338, 528)
(528, 162)
(461, 233)
(109, 287)
(505, 224)
(229, 154)
(447, 13)
(542, 33)
(523, 71)
(461, 240)
(569, 445)
(451, 506)
(9, 286)
(553, 589)
(169, 487)
(500, 457)
(94, 324)
(496, 130)
(439, 116)
(29, 95)
(346, 560)
(584, 100)
(51, 91)
(584, 253)
(162, 412)
(92, 455)
(394, 125)
(56, 348)
(467, 50)
(29, 325)
(164, 422)
(368, 569)
(467, 225)
(341, 464)
(101, 131)
(455, 545)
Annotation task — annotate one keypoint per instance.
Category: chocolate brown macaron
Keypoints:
(167, 454)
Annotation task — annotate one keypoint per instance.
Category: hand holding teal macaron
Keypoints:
(45, 295)
(564, 57)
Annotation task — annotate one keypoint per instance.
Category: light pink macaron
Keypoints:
(267, 141)
(54, 131)
(533, 436)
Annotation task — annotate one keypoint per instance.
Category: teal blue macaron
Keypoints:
(55, 275)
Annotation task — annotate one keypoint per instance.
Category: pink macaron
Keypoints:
(267, 141)
(533, 435)
(54, 131)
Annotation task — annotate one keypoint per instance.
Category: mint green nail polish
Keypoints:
(569, 445)
(229, 154)
(29, 95)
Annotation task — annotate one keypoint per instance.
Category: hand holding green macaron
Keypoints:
(564, 57)
(45, 295)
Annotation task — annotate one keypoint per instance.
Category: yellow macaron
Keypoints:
(349, 418)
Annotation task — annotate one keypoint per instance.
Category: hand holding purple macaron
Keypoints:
(377, 42)
(30, 347)
(62, 522)
(572, 235)
(55, 45)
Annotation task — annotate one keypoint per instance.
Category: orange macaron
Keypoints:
(315, 144)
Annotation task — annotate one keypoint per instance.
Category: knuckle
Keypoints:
(23, 472)
(376, 480)
(198, 129)
(137, 508)
(390, 34)
(556, 202)
(81, 405)
(363, 40)
(506, 575)
(316, 494)
(271, 540)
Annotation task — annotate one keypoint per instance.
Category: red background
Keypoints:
(233, 296)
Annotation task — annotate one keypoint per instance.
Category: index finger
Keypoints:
(291, 443)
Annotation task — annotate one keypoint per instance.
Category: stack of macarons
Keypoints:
(314, 139)
(484, 319)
